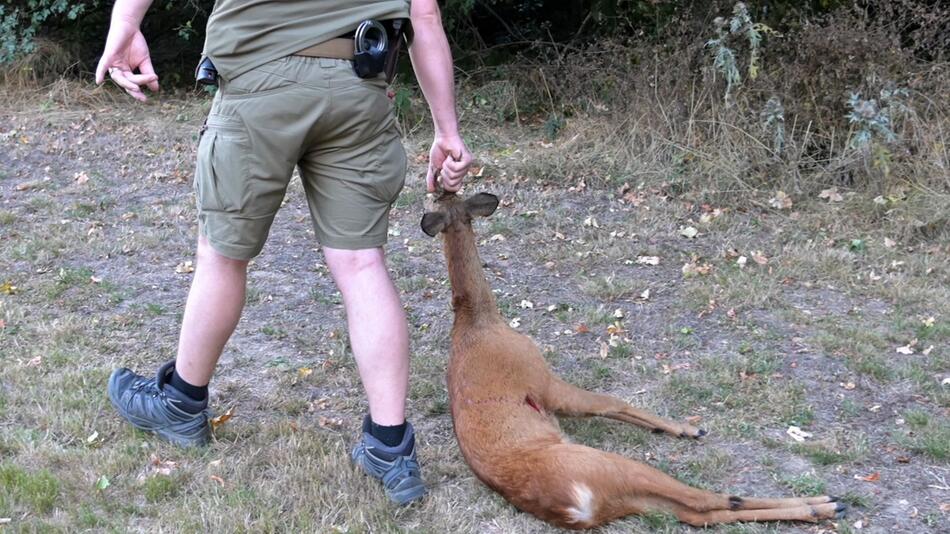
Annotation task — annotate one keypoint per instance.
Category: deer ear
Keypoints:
(433, 223)
(482, 204)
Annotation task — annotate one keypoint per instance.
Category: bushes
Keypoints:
(20, 22)
(837, 101)
(74, 31)
(847, 94)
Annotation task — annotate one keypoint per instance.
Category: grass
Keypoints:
(160, 487)
(37, 491)
(748, 351)
(929, 435)
(805, 485)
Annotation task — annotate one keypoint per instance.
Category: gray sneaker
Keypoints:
(396, 467)
(151, 404)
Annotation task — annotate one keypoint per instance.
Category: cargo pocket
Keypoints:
(391, 167)
(221, 176)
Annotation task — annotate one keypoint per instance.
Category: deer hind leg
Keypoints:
(566, 399)
(580, 487)
(811, 513)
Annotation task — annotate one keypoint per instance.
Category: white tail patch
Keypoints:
(583, 512)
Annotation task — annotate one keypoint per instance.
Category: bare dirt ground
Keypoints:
(827, 325)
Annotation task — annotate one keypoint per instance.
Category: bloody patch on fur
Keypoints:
(532, 404)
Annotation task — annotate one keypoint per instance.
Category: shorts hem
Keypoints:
(231, 251)
(353, 243)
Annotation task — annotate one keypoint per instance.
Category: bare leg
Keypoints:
(214, 307)
(378, 329)
(570, 400)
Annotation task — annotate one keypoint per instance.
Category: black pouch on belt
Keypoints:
(370, 43)
(377, 46)
(205, 73)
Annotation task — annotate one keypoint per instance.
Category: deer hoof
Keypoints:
(695, 434)
(841, 510)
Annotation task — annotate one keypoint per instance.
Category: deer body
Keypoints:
(504, 399)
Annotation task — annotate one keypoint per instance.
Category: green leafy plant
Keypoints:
(18, 27)
(737, 28)
(874, 119)
(773, 120)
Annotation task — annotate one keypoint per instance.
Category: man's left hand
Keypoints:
(449, 159)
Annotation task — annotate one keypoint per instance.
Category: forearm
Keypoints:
(432, 63)
(130, 11)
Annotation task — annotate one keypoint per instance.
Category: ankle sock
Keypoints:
(199, 394)
(389, 435)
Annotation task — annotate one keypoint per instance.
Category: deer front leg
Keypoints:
(563, 398)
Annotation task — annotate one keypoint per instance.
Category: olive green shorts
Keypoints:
(311, 113)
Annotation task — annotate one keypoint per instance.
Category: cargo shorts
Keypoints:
(311, 113)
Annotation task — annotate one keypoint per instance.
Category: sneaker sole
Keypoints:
(408, 495)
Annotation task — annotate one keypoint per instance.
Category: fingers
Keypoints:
(142, 79)
(101, 70)
(147, 69)
(430, 180)
(449, 161)
(455, 168)
(458, 166)
(451, 184)
(124, 79)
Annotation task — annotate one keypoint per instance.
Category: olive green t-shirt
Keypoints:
(243, 34)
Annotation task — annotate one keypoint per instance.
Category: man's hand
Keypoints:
(126, 50)
(449, 159)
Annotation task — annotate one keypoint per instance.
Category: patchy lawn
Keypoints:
(750, 320)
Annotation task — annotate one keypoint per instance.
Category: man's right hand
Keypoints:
(126, 50)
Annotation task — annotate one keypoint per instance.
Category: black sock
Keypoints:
(389, 435)
(195, 393)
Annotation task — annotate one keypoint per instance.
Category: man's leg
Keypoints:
(212, 311)
(378, 331)
(174, 403)
(379, 336)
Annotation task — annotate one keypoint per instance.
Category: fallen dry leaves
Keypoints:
(221, 419)
(831, 195)
(781, 201)
(798, 434)
(907, 349)
(695, 268)
(158, 466)
(333, 423)
(689, 232)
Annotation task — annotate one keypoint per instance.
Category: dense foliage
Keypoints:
(489, 28)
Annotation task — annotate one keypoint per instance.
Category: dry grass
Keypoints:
(807, 339)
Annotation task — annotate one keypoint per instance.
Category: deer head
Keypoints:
(450, 210)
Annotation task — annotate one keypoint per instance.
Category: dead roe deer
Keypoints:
(504, 399)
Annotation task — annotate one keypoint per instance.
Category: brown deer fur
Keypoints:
(504, 399)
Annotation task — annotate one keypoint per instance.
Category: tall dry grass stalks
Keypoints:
(656, 116)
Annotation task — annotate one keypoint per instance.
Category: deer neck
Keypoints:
(471, 295)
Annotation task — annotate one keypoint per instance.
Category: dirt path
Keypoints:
(97, 224)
